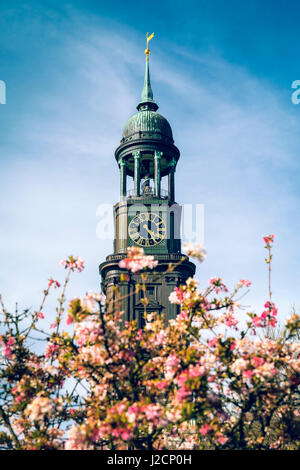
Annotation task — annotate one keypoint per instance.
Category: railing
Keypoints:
(150, 193)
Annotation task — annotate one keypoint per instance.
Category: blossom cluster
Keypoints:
(136, 260)
(195, 250)
(269, 239)
(7, 345)
(74, 264)
(206, 380)
(268, 316)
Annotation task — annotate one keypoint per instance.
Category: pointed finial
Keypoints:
(147, 50)
(147, 101)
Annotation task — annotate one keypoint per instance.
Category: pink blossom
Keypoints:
(160, 338)
(174, 298)
(178, 296)
(7, 350)
(271, 308)
(190, 373)
(276, 444)
(11, 341)
(87, 331)
(125, 355)
(39, 408)
(161, 385)
(77, 438)
(272, 322)
(222, 440)
(244, 282)
(230, 320)
(257, 321)
(139, 335)
(183, 392)
(133, 412)
(172, 360)
(127, 434)
(53, 282)
(218, 285)
(137, 260)
(195, 251)
(122, 433)
(40, 315)
(182, 315)
(196, 371)
(257, 361)
(205, 429)
(101, 391)
(88, 302)
(152, 411)
(74, 264)
(182, 378)
(171, 365)
(268, 239)
(248, 373)
(268, 316)
(51, 349)
(213, 342)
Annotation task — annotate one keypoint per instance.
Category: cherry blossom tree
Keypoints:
(208, 380)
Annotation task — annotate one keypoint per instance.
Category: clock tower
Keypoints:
(147, 215)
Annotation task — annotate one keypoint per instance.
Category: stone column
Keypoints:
(123, 176)
(157, 157)
(137, 178)
(171, 178)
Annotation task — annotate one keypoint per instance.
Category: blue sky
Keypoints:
(221, 73)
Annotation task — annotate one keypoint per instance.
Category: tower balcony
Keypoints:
(130, 194)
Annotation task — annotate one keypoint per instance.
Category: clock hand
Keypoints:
(149, 231)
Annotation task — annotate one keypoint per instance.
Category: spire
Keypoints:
(147, 93)
(147, 101)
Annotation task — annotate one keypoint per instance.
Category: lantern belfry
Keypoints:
(146, 214)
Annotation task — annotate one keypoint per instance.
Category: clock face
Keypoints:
(147, 229)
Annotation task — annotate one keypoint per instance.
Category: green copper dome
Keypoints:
(147, 123)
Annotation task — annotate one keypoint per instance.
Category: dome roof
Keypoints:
(147, 123)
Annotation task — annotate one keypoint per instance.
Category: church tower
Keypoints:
(147, 215)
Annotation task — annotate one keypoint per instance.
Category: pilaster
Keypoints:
(137, 176)
(157, 157)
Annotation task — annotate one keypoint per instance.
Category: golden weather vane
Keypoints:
(147, 51)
